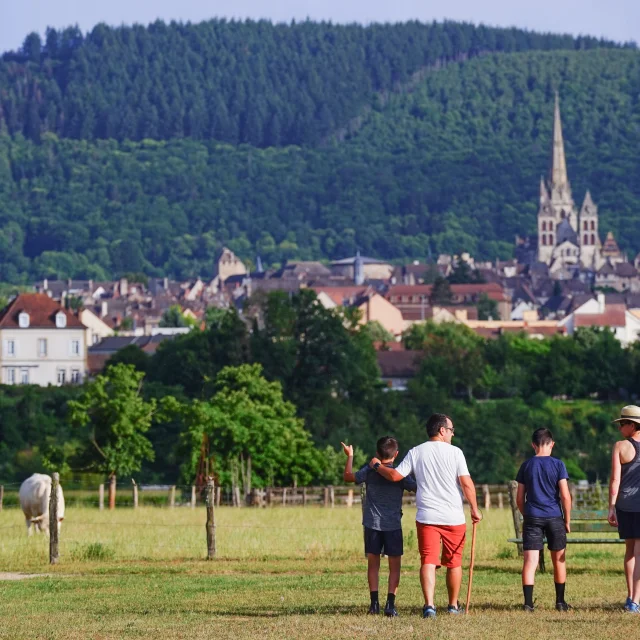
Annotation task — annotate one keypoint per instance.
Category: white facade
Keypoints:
(43, 356)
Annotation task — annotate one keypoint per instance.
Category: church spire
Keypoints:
(559, 178)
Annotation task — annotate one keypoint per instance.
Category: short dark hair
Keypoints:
(436, 422)
(541, 437)
(386, 447)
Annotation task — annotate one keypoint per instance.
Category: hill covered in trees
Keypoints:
(147, 149)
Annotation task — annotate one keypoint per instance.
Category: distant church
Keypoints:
(567, 238)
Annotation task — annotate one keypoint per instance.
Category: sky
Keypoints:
(614, 19)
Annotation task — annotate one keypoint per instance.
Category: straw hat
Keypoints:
(630, 412)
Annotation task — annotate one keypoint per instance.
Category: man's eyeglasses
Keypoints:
(626, 423)
(452, 429)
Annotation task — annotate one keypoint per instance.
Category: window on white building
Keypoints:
(11, 376)
(10, 347)
(42, 347)
(23, 320)
(61, 320)
(24, 376)
(75, 376)
(62, 376)
(75, 347)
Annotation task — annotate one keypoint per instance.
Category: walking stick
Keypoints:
(473, 559)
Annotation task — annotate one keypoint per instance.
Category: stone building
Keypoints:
(568, 237)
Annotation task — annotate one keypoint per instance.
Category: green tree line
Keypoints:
(454, 165)
(238, 82)
(285, 388)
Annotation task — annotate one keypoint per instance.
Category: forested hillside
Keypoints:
(454, 164)
(253, 82)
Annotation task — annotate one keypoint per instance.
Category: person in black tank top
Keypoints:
(624, 499)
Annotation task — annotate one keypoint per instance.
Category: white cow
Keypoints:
(34, 500)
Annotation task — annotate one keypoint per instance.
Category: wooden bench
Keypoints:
(590, 521)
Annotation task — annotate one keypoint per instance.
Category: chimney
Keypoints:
(124, 287)
(45, 285)
(90, 287)
(165, 283)
(103, 308)
(601, 303)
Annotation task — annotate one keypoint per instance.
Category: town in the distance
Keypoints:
(564, 278)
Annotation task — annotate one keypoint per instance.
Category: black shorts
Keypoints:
(535, 530)
(379, 542)
(628, 524)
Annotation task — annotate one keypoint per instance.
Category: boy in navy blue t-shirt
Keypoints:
(545, 502)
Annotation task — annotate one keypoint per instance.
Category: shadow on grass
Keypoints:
(517, 569)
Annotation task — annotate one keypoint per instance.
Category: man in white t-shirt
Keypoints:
(442, 476)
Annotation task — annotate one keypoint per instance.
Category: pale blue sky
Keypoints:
(614, 19)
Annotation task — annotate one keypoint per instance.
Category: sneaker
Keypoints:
(455, 611)
(563, 606)
(389, 611)
(526, 607)
(627, 604)
(374, 609)
(428, 611)
(633, 607)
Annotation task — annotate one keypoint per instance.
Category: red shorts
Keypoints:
(452, 537)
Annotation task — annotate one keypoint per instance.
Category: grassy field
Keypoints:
(280, 573)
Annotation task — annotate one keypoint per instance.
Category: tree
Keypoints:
(440, 292)
(453, 355)
(252, 434)
(114, 419)
(173, 317)
(487, 308)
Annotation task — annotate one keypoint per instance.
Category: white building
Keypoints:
(597, 312)
(42, 343)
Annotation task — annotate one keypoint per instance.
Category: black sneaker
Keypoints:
(428, 611)
(526, 607)
(390, 611)
(374, 609)
(563, 606)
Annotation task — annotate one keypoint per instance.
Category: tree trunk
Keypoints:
(112, 491)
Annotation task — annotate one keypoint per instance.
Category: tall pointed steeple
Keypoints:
(559, 179)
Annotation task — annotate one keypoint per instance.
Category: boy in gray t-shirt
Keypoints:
(382, 519)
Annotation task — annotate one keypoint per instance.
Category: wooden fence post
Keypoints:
(172, 496)
(350, 498)
(363, 497)
(112, 492)
(304, 497)
(211, 522)
(517, 519)
(332, 497)
(487, 497)
(269, 495)
(1, 495)
(135, 493)
(500, 501)
(326, 496)
(236, 496)
(284, 496)
(101, 497)
(53, 520)
(218, 496)
(193, 496)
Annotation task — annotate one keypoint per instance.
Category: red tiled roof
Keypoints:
(613, 316)
(340, 294)
(42, 312)
(494, 290)
(399, 364)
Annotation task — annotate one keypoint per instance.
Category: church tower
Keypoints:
(588, 236)
(556, 201)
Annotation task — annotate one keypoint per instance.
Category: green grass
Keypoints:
(285, 573)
